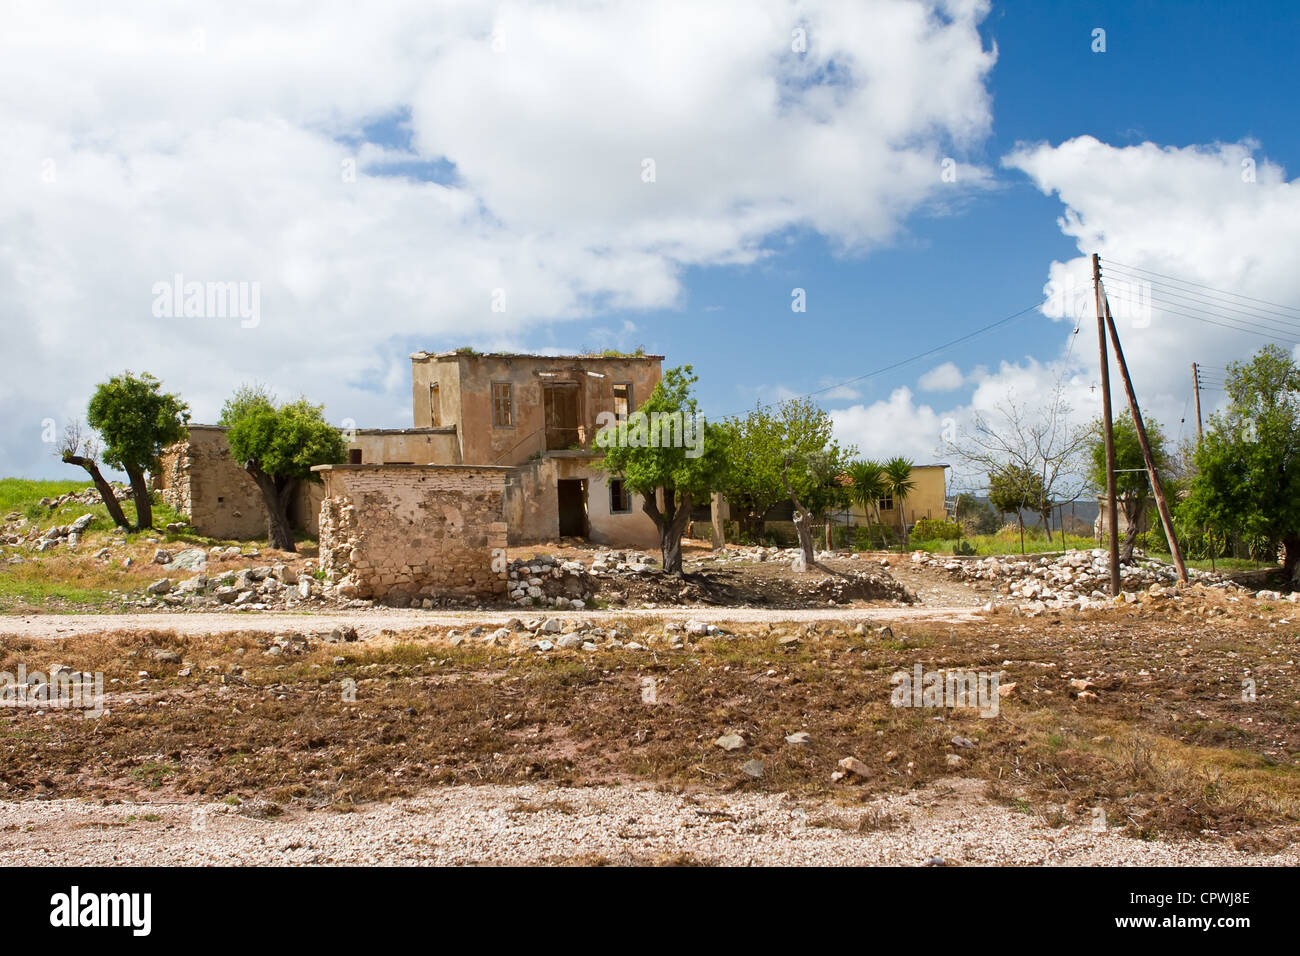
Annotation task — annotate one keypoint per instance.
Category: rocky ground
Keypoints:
(610, 713)
(307, 744)
(948, 824)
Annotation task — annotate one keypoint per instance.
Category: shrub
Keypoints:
(932, 529)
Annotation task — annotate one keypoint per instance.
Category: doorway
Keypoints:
(572, 493)
(560, 403)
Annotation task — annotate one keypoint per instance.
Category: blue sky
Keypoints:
(1176, 73)
(1173, 73)
(499, 145)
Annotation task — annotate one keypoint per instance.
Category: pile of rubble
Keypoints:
(51, 538)
(1078, 577)
(278, 587)
(545, 580)
(87, 496)
(548, 634)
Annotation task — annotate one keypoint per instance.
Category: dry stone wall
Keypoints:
(403, 533)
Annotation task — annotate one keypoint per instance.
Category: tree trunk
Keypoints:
(103, 487)
(1047, 524)
(143, 503)
(671, 523)
(277, 492)
(1291, 560)
(1130, 536)
(902, 527)
(1020, 521)
(803, 527)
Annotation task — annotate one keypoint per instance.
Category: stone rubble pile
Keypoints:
(1079, 578)
(545, 580)
(278, 587)
(51, 538)
(88, 496)
(549, 634)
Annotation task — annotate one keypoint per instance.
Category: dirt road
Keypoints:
(372, 621)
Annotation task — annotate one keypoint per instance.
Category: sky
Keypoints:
(384, 178)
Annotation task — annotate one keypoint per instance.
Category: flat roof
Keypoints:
(595, 357)
(439, 430)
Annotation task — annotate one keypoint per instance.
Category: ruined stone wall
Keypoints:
(396, 533)
(199, 479)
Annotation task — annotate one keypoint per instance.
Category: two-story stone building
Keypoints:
(534, 415)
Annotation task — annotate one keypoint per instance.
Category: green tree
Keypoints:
(278, 445)
(752, 483)
(812, 466)
(678, 473)
(1132, 484)
(1248, 466)
(976, 517)
(1013, 489)
(899, 483)
(867, 487)
(136, 420)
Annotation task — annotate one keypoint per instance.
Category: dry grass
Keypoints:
(1169, 746)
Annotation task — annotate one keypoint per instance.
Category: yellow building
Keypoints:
(927, 500)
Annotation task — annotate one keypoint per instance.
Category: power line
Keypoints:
(1200, 285)
(916, 358)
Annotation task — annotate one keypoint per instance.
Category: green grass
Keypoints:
(1002, 543)
(21, 585)
(24, 496)
(17, 494)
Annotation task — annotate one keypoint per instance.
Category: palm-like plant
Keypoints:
(869, 487)
(899, 484)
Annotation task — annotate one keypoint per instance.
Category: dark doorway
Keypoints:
(560, 401)
(572, 493)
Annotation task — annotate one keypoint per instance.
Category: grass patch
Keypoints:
(1003, 543)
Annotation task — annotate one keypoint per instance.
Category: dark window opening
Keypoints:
(354, 456)
(620, 502)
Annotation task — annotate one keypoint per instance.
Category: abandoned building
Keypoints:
(501, 452)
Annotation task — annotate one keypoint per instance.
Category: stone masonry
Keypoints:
(400, 533)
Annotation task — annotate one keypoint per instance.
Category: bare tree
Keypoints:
(81, 449)
(1040, 443)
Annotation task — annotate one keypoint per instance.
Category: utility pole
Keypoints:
(1196, 387)
(1152, 474)
(1112, 517)
(1200, 435)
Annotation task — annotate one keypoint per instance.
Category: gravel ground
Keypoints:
(371, 621)
(468, 825)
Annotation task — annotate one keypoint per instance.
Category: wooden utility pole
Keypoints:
(1156, 488)
(1200, 435)
(1112, 516)
(1196, 386)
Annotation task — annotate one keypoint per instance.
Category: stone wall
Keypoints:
(199, 479)
(397, 533)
